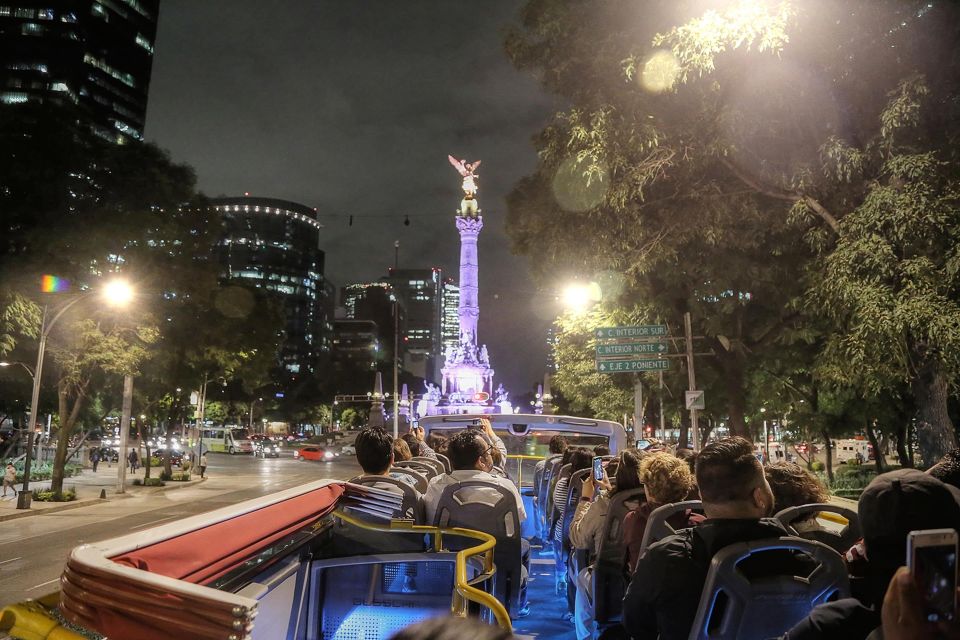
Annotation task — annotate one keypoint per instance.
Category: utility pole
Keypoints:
(396, 344)
(692, 379)
(124, 432)
(663, 428)
(637, 407)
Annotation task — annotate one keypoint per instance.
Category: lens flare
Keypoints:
(118, 292)
(580, 186)
(53, 284)
(660, 71)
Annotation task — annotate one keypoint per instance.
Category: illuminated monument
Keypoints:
(467, 385)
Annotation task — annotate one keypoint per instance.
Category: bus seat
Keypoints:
(488, 507)
(575, 559)
(839, 532)
(447, 467)
(428, 471)
(657, 526)
(421, 480)
(438, 467)
(412, 505)
(554, 510)
(733, 605)
(609, 579)
(376, 596)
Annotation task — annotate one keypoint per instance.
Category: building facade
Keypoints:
(421, 295)
(96, 54)
(374, 302)
(450, 319)
(274, 245)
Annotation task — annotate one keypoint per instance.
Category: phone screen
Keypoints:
(935, 570)
(598, 469)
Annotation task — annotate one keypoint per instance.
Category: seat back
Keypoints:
(835, 533)
(420, 480)
(550, 468)
(574, 489)
(486, 506)
(412, 505)
(734, 605)
(436, 465)
(657, 526)
(447, 467)
(609, 580)
(426, 470)
(553, 509)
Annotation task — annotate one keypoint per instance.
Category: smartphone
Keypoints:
(932, 559)
(598, 469)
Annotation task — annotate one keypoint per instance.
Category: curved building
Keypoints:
(275, 245)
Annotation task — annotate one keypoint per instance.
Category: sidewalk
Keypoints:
(88, 486)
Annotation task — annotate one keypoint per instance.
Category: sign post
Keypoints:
(692, 379)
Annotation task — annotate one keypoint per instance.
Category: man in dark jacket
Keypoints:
(664, 593)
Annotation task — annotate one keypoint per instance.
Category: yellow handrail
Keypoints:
(32, 620)
(464, 591)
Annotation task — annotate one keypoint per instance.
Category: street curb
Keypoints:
(86, 502)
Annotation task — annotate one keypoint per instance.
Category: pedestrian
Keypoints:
(9, 477)
(203, 464)
(134, 460)
(95, 459)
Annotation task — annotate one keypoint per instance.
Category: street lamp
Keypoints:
(578, 297)
(115, 293)
(21, 364)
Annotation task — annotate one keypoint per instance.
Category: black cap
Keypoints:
(901, 501)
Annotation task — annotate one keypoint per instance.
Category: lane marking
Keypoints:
(43, 584)
(147, 524)
(10, 560)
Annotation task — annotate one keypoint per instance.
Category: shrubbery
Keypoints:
(148, 482)
(47, 495)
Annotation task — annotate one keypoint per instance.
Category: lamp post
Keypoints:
(766, 434)
(252, 404)
(115, 292)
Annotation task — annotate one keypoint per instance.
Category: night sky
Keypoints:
(352, 107)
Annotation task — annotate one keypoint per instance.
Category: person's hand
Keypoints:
(902, 612)
(487, 427)
(418, 432)
(588, 488)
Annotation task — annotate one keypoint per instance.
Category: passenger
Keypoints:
(664, 594)
(401, 451)
(436, 442)
(666, 479)
(947, 469)
(891, 506)
(690, 457)
(375, 453)
(452, 628)
(471, 458)
(586, 529)
(601, 450)
(418, 446)
(794, 486)
(413, 443)
(580, 458)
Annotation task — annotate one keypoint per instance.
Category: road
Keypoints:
(33, 549)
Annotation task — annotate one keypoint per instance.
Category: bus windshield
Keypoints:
(240, 434)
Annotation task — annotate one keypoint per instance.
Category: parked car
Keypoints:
(176, 457)
(313, 452)
(348, 450)
(266, 448)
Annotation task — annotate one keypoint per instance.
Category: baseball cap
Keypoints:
(898, 502)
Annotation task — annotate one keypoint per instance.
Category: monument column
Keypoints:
(469, 308)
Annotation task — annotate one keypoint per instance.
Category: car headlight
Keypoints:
(328, 455)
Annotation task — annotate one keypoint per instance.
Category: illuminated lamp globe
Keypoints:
(118, 292)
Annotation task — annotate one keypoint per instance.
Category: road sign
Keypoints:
(632, 348)
(620, 366)
(695, 400)
(642, 331)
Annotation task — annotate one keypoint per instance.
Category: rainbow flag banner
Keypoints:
(53, 284)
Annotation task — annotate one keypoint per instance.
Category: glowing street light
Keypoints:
(578, 297)
(115, 293)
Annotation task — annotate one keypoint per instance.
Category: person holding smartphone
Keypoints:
(892, 506)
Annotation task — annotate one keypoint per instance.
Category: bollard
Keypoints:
(103, 494)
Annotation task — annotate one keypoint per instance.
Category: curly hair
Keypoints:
(667, 477)
(792, 486)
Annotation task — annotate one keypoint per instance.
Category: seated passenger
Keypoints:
(601, 450)
(664, 594)
(793, 486)
(586, 529)
(401, 451)
(558, 444)
(472, 459)
(580, 458)
(375, 453)
(892, 505)
(418, 446)
(437, 442)
(666, 479)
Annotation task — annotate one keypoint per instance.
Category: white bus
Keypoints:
(848, 449)
(230, 439)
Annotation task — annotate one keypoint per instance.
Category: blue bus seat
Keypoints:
(839, 537)
(733, 605)
(488, 507)
(609, 579)
(659, 528)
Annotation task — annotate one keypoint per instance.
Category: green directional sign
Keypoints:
(631, 348)
(642, 331)
(622, 366)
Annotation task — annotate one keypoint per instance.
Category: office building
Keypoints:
(274, 245)
(420, 294)
(450, 319)
(96, 54)
(356, 345)
(374, 302)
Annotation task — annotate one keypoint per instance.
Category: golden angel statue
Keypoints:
(468, 206)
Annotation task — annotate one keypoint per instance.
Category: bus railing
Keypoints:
(520, 458)
(34, 620)
(464, 592)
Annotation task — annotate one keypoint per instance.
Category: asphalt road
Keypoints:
(33, 549)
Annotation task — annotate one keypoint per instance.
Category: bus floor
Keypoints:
(546, 620)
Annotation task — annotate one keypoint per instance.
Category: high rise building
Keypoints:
(373, 302)
(356, 345)
(96, 54)
(450, 318)
(420, 294)
(274, 245)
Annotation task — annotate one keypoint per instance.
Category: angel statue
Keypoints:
(468, 206)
